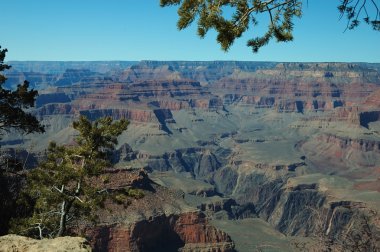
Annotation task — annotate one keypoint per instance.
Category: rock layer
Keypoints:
(183, 232)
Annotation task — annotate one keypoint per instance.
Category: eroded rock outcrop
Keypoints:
(301, 209)
(159, 221)
(200, 162)
(351, 157)
(182, 232)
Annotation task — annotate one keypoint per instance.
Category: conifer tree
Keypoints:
(60, 187)
(280, 13)
(14, 103)
(13, 115)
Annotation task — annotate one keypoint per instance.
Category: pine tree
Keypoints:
(13, 115)
(14, 103)
(280, 13)
(60, 187)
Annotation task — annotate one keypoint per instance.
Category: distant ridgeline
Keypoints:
(50, 70)
(55, 67)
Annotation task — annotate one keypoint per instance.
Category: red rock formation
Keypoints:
(356, 144)
(353, 158)
(348, 114)
(369, 185)
(137, 101)
(56, 109)
(293, 87)
(153, 230)
(193, 228)
(373, 100)
(143, 71)
(162, 233)
(137, 115)
(171, 104)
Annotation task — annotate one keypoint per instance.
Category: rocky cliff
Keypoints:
(159, 221)
(183, 232)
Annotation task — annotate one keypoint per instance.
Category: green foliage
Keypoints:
(124, 196)
(355, 10)
(61, 187)
(135, 193)
(13, 115)
(14, 103)
(97, 139)
(209, 15)
(120, 198)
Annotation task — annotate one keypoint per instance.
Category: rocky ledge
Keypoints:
(17, 243)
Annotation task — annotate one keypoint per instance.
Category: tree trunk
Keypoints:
(62, 222)
(65, 209)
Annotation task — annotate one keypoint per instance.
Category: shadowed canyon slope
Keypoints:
(294, 145)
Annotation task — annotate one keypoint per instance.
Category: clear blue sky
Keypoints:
(140, 29)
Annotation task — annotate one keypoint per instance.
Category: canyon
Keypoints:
(287, 152)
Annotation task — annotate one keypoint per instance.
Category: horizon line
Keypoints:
(149, 60)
